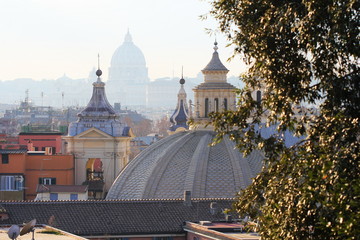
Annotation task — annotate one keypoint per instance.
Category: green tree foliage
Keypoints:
(304, 53)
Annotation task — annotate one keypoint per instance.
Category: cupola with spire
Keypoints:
(181, 114)
(98, 113)
(215, 94)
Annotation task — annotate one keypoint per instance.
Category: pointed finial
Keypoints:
(215, 45)
(98, 61)
(182, 80)
(98, 72)
(128, 37)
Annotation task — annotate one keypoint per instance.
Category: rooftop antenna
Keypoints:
(42, 99)
(29, 227)
(62, 97)
(27, 96)
(13, 232)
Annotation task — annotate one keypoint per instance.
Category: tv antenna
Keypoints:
(29, 227)
(13, 232)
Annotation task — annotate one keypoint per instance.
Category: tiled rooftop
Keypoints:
(95, 218)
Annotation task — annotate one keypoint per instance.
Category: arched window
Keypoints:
(216, 102)
(258, 96)
(94, 169)
(225, 104)
(206, 107)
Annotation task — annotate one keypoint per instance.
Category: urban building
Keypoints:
(21, 171)
(61, 192)
(187, 160)
(12, 174)
(100, 143)
(42, 141)
(225, 230)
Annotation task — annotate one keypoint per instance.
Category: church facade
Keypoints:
(99, 142)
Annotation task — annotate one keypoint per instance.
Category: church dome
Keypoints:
(182, 162)
(128, 54)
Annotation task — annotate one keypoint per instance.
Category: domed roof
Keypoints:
(185, 161)
(128, 54)
(99, 114)
(215, 64)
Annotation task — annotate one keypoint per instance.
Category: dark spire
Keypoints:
(181, 114)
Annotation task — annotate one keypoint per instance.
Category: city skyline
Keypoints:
(47, 39)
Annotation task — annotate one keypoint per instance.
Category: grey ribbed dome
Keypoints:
(184, 161)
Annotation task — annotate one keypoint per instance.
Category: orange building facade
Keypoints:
(42, 141)
(22, 171)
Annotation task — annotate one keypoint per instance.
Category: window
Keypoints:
(216, 104)
(11, 183)
(4, 158)
(73, 196)
(206, 107)
(225, 104)
(47, 181)
(258, 96)
(53, 196)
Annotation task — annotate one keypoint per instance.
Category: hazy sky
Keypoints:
(43, 39)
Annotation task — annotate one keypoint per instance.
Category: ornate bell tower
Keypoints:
(215, 94)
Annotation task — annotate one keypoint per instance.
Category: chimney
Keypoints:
(228, 218)
(48, 151)
(187, 198)
(30, 146)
